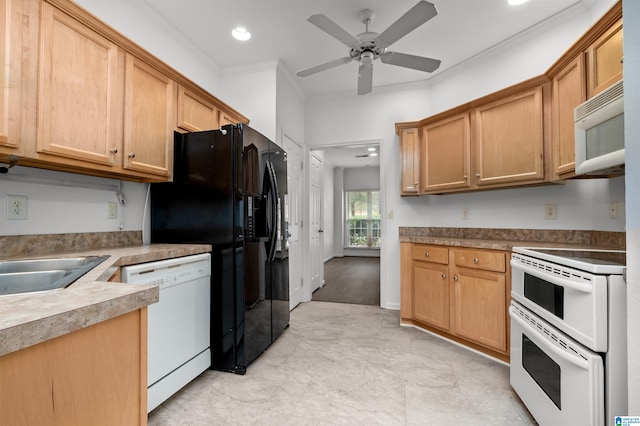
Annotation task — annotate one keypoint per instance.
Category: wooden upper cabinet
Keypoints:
(446, 154)
(149, 118)
(410, 158)
(509, 139)
(79, 91)
(605, 57)
(226, 118)
(568, 91)
(10, 48)
(195, 113)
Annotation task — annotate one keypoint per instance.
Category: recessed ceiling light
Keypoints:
(374, 154)
(241, 33)
(517, 2)
(371, 149)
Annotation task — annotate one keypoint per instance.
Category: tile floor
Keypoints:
(341, 364)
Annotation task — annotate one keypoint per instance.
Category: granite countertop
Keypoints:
(506, 239)
(31, 318)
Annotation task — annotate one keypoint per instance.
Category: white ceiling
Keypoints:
(280, 31)
(352, 156)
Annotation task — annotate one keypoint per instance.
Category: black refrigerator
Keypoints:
(229, 190)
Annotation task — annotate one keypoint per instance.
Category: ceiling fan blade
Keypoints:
(416, 16)
(334, 30)
(328, 65)
(365, 79)
(419, 63)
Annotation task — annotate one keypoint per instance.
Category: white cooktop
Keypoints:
(595, 261)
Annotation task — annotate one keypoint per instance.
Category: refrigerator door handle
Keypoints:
(273, 189)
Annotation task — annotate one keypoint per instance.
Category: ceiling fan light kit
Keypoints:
(368, 46)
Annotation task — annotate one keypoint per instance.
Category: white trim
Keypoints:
(499, 361)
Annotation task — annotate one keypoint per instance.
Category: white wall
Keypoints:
(362, 178)
(581, 204)
(252, 91)
(338, 209)
(143, 25)
(68, 203)
(631, 13)
(329, 206)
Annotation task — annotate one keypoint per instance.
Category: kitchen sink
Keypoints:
(31, 275)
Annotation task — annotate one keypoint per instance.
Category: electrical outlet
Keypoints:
(16, 207)
(464, 214)
(112, 210)
(550, 211)
(613, 210)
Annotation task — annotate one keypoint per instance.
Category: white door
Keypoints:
(316, 250)
(294, 189)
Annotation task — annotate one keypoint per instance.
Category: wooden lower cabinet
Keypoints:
(431, 294)
(459, 293)
(480, 307)
(93, 376)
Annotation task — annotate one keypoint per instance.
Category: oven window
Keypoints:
(544, 294)
(542, 369)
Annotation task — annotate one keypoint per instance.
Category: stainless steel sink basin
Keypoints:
(25, 276)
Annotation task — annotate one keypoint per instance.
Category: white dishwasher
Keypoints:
(179, 337)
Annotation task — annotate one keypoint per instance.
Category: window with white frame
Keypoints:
(362, 218)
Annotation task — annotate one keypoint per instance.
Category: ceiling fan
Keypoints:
(368, 46)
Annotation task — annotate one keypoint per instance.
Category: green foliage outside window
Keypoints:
(363, 218)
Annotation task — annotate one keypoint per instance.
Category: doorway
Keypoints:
(352, 272)
(351, 279)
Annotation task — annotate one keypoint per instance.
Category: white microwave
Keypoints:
(599, 133)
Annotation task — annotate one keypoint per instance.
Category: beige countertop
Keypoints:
(506, 239)
(30, 318)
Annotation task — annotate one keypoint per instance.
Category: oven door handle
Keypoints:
(575, 360)
(585, 288)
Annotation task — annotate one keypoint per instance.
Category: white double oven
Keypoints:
(568, 334)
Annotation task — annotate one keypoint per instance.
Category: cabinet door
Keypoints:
(431, 294)
(93, 376)
(149, 118)
(194, 113)
(568, 92)
(406, 282)
(79, 91)
(410, 158)
(605, 57)
(480, 307)
(10, 50)
(509, 140)
(445, 154)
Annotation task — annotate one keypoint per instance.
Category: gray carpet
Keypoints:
(354, 280)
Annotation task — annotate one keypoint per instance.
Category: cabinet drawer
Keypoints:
(486, 260)
(430, 253)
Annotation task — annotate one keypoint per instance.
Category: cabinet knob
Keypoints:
(455, 278)
(465, 177)
(426, 254)
(476, 260)
(477, 175)
(113, 150)
(416, 183)
(131, 155)
(444, 276)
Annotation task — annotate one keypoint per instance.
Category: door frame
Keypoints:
(302, 297)
(383, 201)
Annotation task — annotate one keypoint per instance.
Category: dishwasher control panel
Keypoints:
(165, 273)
